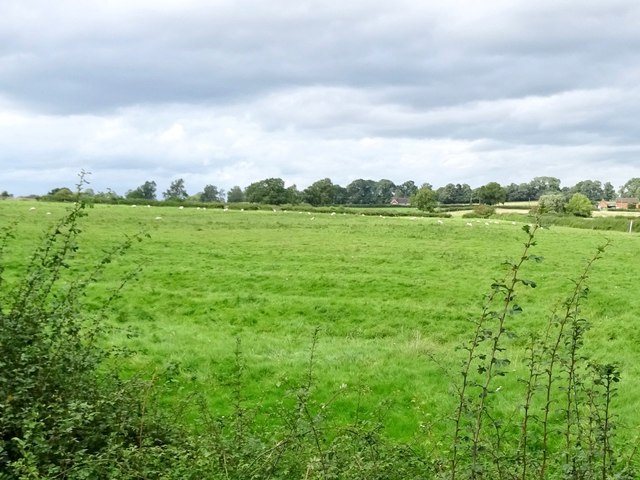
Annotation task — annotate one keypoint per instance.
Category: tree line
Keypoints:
(365, 192)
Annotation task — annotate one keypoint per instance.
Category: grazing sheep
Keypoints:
(439, 222)
(333, 213)
(180, 207)
(158, 218)
(133, 206)
(32, 208)
(48, 213)
(469, 224)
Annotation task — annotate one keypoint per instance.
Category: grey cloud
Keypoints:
(309, 89)
(218, 55)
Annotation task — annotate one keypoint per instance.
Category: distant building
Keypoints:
(400, 201)
(618, 204)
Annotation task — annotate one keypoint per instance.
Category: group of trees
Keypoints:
(371, 192)
(176, 191)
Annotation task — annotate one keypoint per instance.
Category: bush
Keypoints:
(579, 205)
(551, 203)
(61, 411)
(480, 211)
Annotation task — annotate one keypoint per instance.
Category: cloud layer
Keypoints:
(231, 92)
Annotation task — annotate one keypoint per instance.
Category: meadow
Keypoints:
(391, 299)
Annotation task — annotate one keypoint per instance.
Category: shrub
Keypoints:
(579, 205)
(480, 211)
(551, 203)
(62, 414)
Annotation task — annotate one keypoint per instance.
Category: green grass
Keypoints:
(391, 297)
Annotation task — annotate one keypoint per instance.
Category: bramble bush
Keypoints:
(62, 414)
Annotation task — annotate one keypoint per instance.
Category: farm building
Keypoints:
(402, 201)
(618, 204)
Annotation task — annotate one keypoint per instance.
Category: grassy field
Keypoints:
(391, 298)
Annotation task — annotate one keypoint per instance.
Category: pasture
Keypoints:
(391, 298)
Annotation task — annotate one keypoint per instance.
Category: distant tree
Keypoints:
(340, 194)
(608, 191)
(361, 192)
(270, 191)
(108, 196)
(406, 189)
(511, 192)
(543, 185)
(425, 199)
(176, 191)
(631, 188)
(523, 192)
(579, 205)
(4, 195)
(62, 194)
(146, 191)
(293, 195)
(384, 191)
(552, 203)
(492, 193)
(319, 193)
(464, 193)
(447, 194)
(592, 189)
(235, 195)
(211, 193)
(457, 193)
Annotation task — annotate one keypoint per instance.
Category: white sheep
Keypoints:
(440, 222)
(469, 224)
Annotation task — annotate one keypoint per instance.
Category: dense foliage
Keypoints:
(324, 192)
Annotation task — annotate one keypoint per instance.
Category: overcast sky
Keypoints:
(228, 92)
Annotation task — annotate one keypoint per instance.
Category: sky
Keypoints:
(230, 92)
